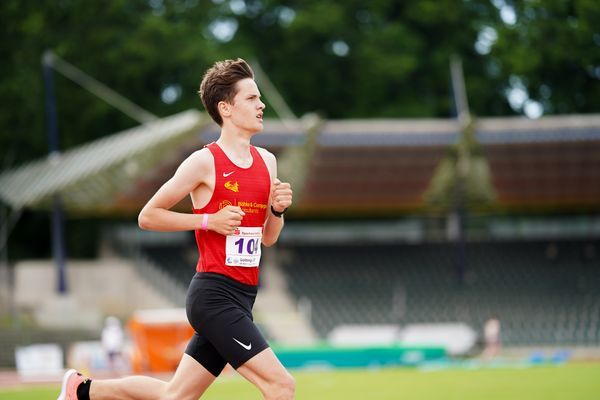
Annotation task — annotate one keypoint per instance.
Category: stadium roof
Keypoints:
(90, 178)
(359, 167)
(384, 167)
(568, 128)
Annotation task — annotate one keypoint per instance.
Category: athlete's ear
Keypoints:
(224, 109)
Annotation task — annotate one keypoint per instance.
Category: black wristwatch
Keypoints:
(278, 214)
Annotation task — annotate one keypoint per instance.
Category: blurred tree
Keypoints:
(364, 59)
(382, 58)
(152, 55)
(547, 55)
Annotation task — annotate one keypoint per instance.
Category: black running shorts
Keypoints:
(220, 311)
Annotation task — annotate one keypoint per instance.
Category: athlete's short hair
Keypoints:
(219, 84)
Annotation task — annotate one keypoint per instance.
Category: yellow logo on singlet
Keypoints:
(232, 186)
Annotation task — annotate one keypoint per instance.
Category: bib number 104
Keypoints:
(242, 249)
(248, 244)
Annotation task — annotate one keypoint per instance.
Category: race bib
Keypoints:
(242, 249)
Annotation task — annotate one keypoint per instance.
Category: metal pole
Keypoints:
(58, 228)
(98, 89)
(463, 163)
(4, 272)
(283, 111)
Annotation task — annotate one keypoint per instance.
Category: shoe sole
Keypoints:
(63, 391)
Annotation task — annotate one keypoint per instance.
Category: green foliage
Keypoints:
(125, 44)
(345, 59)
(554, 46)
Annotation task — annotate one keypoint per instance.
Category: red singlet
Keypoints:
(237, 255)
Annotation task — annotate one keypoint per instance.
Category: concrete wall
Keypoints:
(97, 288)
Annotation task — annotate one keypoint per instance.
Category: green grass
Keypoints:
(572, 381)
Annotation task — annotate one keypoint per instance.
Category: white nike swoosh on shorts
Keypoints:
(246, 346)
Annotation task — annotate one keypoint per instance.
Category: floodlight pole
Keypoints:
(50, 63)
(463, 163)
(58, 220)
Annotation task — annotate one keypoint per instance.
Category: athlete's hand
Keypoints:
(281, 195)
(226, 220)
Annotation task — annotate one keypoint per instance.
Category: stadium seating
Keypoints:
(179, 262)
(543, 293)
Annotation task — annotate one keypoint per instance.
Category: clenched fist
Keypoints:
(226, 220)
(281, 195)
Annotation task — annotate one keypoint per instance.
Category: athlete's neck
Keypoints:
(237, 148)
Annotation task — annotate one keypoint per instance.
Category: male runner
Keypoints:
(238, 204)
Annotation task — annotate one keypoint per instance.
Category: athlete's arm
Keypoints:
(280, 198)
(193, 172)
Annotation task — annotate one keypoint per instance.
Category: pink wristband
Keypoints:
(204, 226)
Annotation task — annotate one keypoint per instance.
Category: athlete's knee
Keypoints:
(177, 396)
(283, 388)
(174, 393)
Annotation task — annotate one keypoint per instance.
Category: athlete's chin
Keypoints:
(258, 128)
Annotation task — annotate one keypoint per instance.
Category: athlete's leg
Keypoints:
(266, 372)
(227, 325)
(189, 382)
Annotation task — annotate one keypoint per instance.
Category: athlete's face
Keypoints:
(246, 111)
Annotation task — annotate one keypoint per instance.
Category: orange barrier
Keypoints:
(159, 339)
